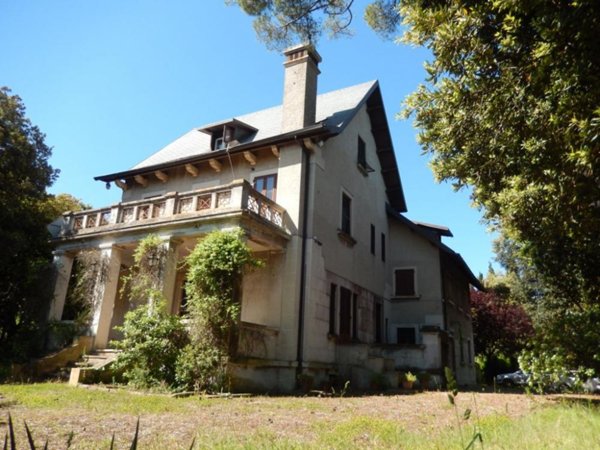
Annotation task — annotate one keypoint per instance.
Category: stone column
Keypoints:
(105, 294)
(170, 271)
(63, 263)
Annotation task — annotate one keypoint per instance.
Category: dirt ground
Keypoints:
(286, 418)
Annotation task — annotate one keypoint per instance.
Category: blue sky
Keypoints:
(111, 82)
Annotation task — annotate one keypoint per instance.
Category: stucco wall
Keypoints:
(409, 250)
(181, 181)
(332, 260)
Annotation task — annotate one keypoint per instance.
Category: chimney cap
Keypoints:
(300, 50)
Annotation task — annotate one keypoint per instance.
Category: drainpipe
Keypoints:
(303, 231)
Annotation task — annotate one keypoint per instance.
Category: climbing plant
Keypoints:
(90, 271)
(215, 270)
(143, 282)
(152, 338)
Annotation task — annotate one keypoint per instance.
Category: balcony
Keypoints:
(175, 208)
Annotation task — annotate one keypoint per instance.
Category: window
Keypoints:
(332, 292)
(406, 335)
(362, 157)
(383, 247)
(219, 143)
(404, 283)
(345, 313)
(355, 317)
(266, 185)
(378, 315)
(372, 239)
(346, 214)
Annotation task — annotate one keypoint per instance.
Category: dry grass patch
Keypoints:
(54, 410)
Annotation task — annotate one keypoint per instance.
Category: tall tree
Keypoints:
(512, 109)
(61, 203)
(24, 176)
(279, 23)
(501, 326)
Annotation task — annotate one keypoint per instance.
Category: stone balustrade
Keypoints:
(175, 206)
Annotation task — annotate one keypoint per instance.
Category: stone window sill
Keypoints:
(346, 238)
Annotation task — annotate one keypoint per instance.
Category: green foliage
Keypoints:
(61, 203)
(279, 23)
(215, 269)
(89, 269)
(511, 109)
(24, 261)
(409, 376)
(383, 17)
(151, 344)
(143, 283)
(201, 368)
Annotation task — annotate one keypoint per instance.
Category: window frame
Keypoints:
(264, 177)
(373, 234)
(333, 289)
(348, 232)
(415, 294)
(413, 327)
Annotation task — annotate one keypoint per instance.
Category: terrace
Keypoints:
(175, 208)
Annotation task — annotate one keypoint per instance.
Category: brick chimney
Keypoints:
(300, 87)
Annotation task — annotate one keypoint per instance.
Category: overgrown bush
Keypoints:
(151, 344)
(215, 270)
(158, 350)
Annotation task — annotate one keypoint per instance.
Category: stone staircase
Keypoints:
(92, 367)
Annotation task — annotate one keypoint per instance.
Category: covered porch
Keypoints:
(180, 220)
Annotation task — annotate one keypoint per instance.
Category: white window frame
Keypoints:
(415, 281)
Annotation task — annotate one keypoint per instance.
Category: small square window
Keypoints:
(406, 335)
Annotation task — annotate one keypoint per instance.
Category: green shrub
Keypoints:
(151, 344)
(201, 369)
(215, 270)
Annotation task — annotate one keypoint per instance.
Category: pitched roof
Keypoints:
(456, 257)
(334, 112)
(334, 108)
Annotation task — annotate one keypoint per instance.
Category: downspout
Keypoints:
(443, 285)
(306, 191)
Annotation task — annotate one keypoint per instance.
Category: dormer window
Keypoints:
(229, 133)
(219, 143)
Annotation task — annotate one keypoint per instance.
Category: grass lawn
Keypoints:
(419, 421)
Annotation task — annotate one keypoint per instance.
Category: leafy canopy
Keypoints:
(279, 23)
(24, 261)
(511, 108)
